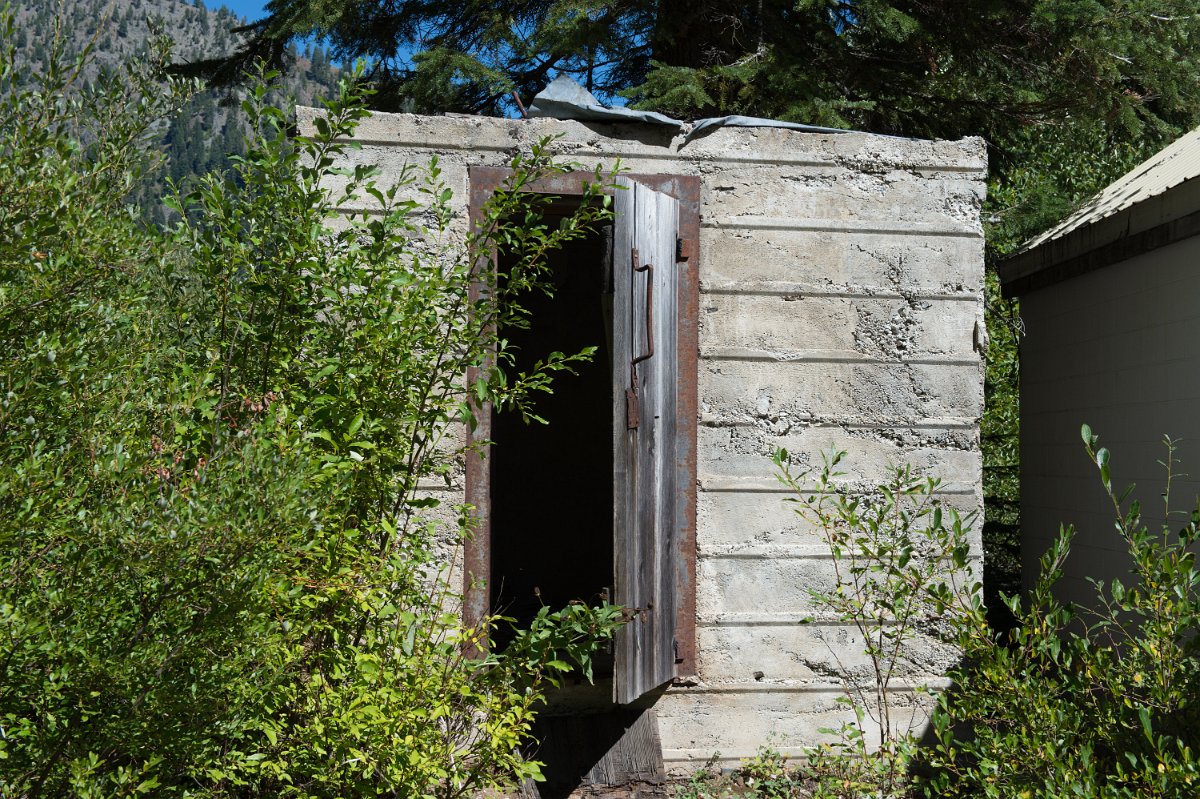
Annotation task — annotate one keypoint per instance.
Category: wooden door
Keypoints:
(645, 393)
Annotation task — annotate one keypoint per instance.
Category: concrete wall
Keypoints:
(841, 286)
(1116, 349)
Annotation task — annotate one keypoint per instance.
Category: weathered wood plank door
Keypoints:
(645, 386)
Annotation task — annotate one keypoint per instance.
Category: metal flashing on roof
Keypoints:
(566, 99)
(1145, 208)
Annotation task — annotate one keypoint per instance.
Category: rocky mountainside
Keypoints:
(209, 128)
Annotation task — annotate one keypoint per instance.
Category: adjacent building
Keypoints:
(1109, 302)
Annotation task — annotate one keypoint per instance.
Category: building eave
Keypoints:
(1151, 223)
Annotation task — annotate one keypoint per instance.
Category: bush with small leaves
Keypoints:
(1101, 701)
(903, 570)
(1098, 702)
(220, 573)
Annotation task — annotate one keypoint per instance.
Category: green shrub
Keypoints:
(903, 570)
(1098, 702)
(220, 571)
(1087, 702)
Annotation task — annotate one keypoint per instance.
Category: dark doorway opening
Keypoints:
(497, 563)
(553, 503)
(552, 484)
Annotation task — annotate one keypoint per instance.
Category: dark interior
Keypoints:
(551, 484)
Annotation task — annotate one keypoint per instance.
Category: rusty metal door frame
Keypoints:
(477, 555)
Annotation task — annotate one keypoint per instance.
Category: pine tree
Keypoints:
(1067, 93)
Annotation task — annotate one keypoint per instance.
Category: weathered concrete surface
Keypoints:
(841, 286)
(745, 523)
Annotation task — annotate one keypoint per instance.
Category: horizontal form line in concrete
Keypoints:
(788, 687)
(783, 620)
(825, 356)
(835, 423)
(798, 291)
(719, 484)
(924, 170)
(775, 552)
(831, 164)
(709, 158)
(432, 147)
(729, 758)
(764, 223)
(347, 210)
(439, 485)
(849, 226)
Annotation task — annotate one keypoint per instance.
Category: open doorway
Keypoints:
(602, 498)
(551, 484)
(604, 495)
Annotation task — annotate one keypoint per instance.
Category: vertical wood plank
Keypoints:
(624, 540)
(663, 451)
(645, 436)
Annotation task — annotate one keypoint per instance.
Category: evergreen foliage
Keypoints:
(1029, 75)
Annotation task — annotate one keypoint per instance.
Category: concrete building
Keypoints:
(1108, 298)
(811, 290)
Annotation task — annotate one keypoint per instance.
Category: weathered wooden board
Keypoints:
(602, 754)
(645, 307)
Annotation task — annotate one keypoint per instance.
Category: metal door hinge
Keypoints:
(683, 249)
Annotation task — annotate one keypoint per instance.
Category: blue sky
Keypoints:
(250, 9)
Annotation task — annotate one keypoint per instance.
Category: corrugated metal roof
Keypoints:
(1171, 166)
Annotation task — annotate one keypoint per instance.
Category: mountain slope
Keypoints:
(209, 128)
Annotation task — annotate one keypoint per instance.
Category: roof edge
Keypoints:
(1154, 222)
(859, 150)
